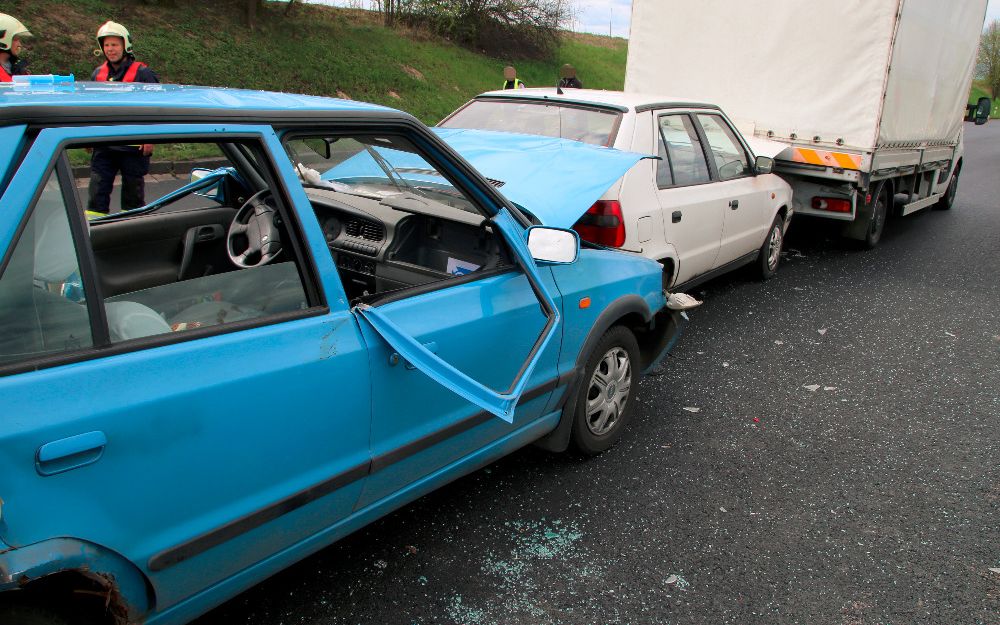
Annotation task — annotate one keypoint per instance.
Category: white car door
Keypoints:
(745, 195)
(693, 212)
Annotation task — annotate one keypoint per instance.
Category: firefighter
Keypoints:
(11, 33)
(510, 79)
(569, 79)
(131, 160)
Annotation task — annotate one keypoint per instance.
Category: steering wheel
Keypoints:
(254, 232)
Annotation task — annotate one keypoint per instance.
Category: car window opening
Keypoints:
(391, 220)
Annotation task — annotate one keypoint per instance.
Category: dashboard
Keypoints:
(391, 243)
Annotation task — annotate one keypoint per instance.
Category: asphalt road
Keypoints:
(739, 495)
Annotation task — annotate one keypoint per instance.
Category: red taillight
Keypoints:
(603, 224)
(832, 205)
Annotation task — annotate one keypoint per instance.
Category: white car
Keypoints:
(707, 206)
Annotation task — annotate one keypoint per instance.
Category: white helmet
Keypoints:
(114, 29)
(10, 28)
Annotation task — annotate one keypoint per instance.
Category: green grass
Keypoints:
(317, 50)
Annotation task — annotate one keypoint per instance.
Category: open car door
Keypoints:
(418, 355)
(532, 167)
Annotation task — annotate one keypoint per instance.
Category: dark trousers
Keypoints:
(105, 164)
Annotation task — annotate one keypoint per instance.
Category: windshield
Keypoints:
(375, 167)
(536, 118)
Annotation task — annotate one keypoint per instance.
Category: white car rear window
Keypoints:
(535, 118)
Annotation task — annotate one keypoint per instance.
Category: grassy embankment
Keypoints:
(317, 50)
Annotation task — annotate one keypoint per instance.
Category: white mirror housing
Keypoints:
(553, 245)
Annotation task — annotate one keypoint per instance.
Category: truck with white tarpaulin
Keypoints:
(863, 99)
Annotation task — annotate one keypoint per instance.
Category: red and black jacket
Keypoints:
(130, 70)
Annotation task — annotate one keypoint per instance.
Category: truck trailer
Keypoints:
(865, 97)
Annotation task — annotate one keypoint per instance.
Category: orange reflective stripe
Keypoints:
(847, 161)
(808, 156)
(826, 159)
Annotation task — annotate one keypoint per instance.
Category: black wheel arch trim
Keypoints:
(558, 439)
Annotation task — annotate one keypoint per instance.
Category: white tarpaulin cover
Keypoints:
(816, 68)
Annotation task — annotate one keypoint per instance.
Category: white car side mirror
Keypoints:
(553, 245)
(764, 165)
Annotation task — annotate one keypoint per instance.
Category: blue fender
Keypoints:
(129, 588)
(558, 439)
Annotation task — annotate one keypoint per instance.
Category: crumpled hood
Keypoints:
(556, 180)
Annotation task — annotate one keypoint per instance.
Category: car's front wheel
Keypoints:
(602, 405)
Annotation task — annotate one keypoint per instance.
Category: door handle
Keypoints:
(676, 216)
(734, 204)
(395, 358)
(70, 453)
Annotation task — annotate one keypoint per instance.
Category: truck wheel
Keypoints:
(770, 251)
(603, 405)
(946, 202)
(876, 223)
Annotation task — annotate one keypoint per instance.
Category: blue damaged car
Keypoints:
(319, 311)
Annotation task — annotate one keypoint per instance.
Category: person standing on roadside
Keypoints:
(131, 160)
(510, 80)
(11, 32)
(568, 78)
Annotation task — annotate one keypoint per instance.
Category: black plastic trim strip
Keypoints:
(216, 537)
(85, 261)
(718, 271)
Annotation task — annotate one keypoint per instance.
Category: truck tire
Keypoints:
(604, 403)
(945, 203)
(876, 223)
(770, 252)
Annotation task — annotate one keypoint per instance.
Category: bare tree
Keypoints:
(989, 57)
(391, 10)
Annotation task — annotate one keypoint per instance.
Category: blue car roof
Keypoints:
(102, 100)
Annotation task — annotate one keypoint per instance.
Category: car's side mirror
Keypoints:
(763, 165)
(553, 245)
(212, 192)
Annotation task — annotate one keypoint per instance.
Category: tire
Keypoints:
(770, 252)
(876, 224)
(603, 403)
(945, 203)
(28, 614)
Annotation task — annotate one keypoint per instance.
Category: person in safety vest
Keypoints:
(510, 79)
(11, 33)
(131, 160)
(568, 78)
